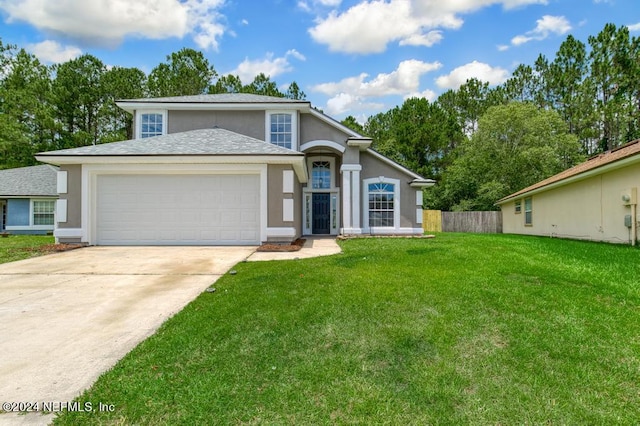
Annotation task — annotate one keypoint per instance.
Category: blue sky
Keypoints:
(351, 57)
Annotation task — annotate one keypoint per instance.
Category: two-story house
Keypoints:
(231, 169)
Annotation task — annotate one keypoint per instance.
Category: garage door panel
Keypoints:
(177, 209)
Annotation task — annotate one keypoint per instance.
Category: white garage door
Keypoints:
(178, 210)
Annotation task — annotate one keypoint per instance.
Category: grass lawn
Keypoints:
(18, 247)
(460, 329)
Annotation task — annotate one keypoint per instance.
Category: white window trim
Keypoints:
(32, 212)
(294, 126)
(396, 205)
(140, 113)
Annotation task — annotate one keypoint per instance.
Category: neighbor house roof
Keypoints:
(39, 181)
(595, 165)
(215, 141)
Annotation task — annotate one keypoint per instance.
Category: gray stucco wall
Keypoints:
(275, 197)
(249, 123)
(312, 128)
(73, 196)
(373, 167)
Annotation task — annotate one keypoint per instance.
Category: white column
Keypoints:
(351, 198)
(355, 190)
(346, 200)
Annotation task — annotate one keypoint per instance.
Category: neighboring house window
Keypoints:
(518, 207)
(528, 211)
(381, 204)
(43, 212)
(321, 175)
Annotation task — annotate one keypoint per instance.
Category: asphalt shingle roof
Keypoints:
(609, 157)
(29, 181)
(214, 141)
(218, 98)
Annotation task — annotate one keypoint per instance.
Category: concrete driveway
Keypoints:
(66, 318)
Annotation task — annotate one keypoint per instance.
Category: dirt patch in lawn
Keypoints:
(51, 248)
(294, 246)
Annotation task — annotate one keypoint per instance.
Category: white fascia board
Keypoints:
(133, 106)
(170, 159)
(394, 164)
(576, 178)
(334, 123)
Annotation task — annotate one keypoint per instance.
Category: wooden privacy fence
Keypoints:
(482, 222)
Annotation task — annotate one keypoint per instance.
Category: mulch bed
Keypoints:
(353, 237)
(294, 246)
(52, 248)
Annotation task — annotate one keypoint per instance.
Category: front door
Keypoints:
(320, 213)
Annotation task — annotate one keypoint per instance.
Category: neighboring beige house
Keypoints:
(595, 200)
(231, 169)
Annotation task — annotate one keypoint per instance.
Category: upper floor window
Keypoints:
(281, 129)
(151, 123)
(281, 133)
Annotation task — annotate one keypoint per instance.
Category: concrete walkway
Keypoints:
(313, 247)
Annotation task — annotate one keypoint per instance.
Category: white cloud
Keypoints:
(503, 47)
(344, 102)
(109, 22)
(428, 39)
(270, 66)
(428, 94)
(545, 27)
(405, 79)
(353, 93)
(475, 69)
(369, 26)
(50, 51)
(634, 27)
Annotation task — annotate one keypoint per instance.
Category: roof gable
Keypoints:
(29, 181)
(593, 165)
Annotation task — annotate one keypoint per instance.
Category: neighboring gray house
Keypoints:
(231, 169)
(28, 200)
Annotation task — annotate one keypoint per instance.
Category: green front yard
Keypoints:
(18, 247)
(460, 329)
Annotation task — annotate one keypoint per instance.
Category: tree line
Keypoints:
(72, 104)
(482, 143)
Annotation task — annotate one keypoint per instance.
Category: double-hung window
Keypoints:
(381, 204)
(281, 128)
(281, 131)
(151, 123)
(43, 212)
